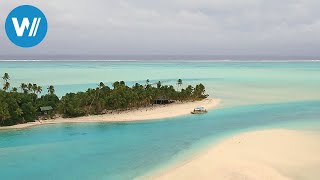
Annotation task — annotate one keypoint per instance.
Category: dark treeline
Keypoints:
(21, 105)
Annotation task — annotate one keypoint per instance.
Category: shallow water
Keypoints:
(255, 96)
(235, 82)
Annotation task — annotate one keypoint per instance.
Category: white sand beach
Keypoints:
(277, 154)
(149, 113)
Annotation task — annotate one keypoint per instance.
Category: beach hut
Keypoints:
(162, 100)
(46, 110)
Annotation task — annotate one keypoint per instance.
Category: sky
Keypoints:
(171, 27)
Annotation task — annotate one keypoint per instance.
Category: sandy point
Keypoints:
(276, 154)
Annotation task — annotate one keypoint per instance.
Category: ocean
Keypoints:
(255, 95)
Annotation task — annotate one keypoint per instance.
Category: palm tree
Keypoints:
(97, 93)
(199, 91)
(19, 112)
(6, 86)
(116, 85)
(101, 85)
(136, 86)
(122, 83)
(159, 84)
(23, 88)
(29, 87)
(5, 114)
(34, 88)
(94, 92)
(51, 90)
(39, 89)
(14, 89)
(6, 77)
(179, 82)
(147, 81)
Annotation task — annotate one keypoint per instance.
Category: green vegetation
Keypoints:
(23, 106)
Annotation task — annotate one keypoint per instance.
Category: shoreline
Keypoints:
(142, 114)
(264, 154)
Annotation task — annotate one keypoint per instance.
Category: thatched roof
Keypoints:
(162, 98)
(46, 108)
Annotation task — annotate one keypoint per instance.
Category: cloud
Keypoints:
(287, 27)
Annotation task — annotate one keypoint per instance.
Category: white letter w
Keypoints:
(25, 25)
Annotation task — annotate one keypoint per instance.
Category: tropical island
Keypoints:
(26, 104)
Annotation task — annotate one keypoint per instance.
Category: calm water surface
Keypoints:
(255, 96)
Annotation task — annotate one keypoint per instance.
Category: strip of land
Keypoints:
(263, 155)
(147, 113)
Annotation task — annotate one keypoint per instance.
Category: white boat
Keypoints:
(199, 110)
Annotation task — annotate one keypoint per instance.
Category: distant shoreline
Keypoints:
(172, 61)
(141, 114)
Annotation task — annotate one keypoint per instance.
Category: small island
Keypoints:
(117, 103)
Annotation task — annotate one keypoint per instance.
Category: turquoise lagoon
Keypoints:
(255, 95)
